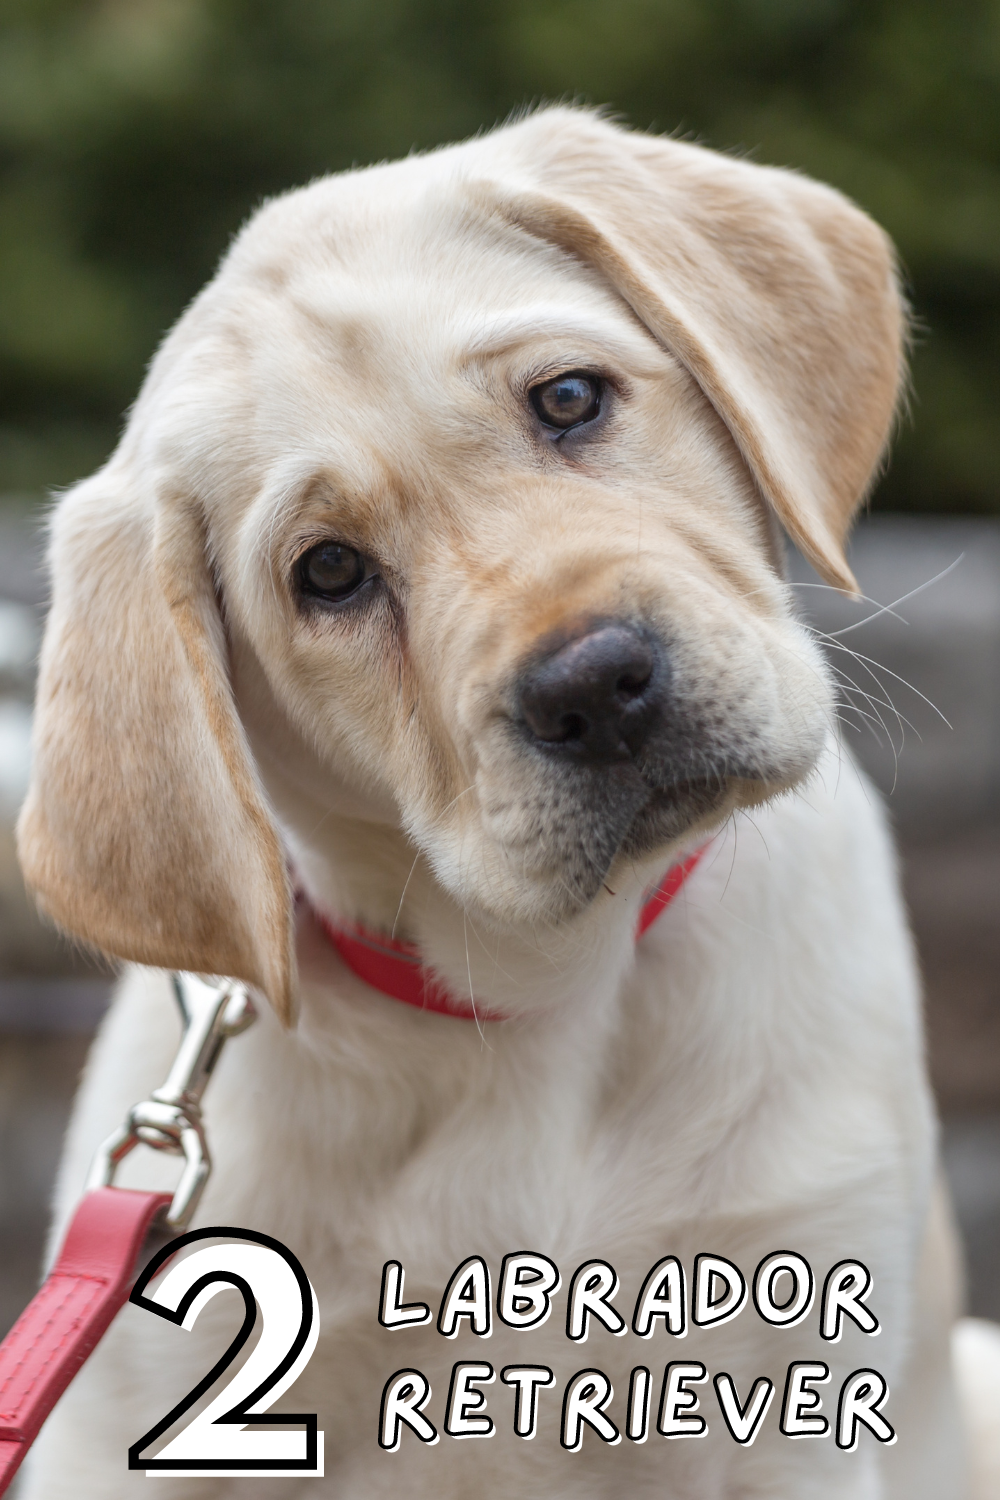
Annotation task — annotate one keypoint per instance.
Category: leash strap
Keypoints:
(95, 1269)
(63, 1323)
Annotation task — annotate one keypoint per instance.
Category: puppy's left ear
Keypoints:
(778, 295)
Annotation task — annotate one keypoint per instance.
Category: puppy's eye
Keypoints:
(331, 571)
(568, 400)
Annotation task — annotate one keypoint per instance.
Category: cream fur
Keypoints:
(751, 1077)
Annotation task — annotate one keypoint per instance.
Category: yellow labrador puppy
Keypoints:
(434, 594)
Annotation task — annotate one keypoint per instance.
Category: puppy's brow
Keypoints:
(603, 338)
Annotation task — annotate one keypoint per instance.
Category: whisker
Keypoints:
(468, 969)
(497, 968)
(402, 898)
(732, 862)
(849, 686)
(869, 662)
(876, 704)
(745, 813)
(890, 609)
(829, 587)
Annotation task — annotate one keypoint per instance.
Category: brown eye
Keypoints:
(331, 571)
(568, 400)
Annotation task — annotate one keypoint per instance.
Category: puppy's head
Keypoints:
(451, 505)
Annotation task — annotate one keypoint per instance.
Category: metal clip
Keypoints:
(170, 1119)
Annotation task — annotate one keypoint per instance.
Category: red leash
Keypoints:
(96, 1266)
(59, 1328)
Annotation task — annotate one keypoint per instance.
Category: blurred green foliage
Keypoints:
(136, 135)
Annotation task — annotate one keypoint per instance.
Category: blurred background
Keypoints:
(137, 135)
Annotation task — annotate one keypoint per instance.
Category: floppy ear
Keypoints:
(145, 831)
(777, 294)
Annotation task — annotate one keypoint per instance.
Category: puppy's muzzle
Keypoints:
(596, 698)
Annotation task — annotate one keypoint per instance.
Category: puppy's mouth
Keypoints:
(663, 813)
(587, 819)
(675, 809)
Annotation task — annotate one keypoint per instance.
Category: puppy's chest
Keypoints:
(551, 1159)
(517, 1149)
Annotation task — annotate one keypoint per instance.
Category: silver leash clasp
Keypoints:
(170, 1119)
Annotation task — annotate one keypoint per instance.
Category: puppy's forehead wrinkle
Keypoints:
(618, 338)
(411, 267)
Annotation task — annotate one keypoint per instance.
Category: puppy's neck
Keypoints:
(360, 872)
(353, 872)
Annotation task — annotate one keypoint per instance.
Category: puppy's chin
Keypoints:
(608, 849)
(561, 877)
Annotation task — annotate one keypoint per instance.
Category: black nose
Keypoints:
(595, 696)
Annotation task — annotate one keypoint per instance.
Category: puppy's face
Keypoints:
(450, 505)
(499, 563)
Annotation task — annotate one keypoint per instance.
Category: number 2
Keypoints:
(215, 1441)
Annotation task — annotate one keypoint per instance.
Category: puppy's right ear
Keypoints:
(777, 295)
(145, 831)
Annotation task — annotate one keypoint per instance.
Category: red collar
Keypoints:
(396, 968)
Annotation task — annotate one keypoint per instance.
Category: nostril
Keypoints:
(574, 727)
